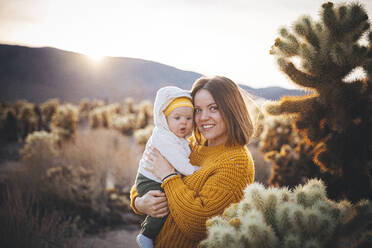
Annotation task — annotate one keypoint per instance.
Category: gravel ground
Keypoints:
(122, 238)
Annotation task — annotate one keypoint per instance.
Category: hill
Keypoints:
(37, 74)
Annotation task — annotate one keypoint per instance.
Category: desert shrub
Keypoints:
(26, 224)
(303, 217)
(90, 177)
(40, 148)
(336, 119)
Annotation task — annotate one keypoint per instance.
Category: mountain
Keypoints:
(274, 93)
(37, 74)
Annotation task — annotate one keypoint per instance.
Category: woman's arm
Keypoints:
(191, 210)
(223, 185)
(153, 203)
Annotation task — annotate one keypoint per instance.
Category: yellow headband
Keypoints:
(176, 103)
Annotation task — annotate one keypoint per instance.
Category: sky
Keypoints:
(213, 37)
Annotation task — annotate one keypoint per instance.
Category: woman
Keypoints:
(221, 131)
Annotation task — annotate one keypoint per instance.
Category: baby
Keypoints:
(173, 118)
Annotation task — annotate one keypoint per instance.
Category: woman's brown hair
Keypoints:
(232, 107)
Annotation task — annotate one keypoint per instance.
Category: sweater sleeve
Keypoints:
(133, 195)
(223, 186)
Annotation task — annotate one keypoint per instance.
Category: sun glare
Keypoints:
(95, 57)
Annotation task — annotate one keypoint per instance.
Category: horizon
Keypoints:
(99, 61)
(187, 35)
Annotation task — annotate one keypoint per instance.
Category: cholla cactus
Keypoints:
(64, 122)
(142, 135)
(337, 118)
(48, 109)
(125, 124)
(129, 106)
(277, 132)
(144, 116)
(102, 116)
(84, 108)
(97, 103)
(291, 155)
(8, 124)
(95, 119)
(28, 119)
(278, 217)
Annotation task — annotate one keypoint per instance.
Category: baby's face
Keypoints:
(180, 121)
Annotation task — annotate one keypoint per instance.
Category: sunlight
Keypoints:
(95, 57)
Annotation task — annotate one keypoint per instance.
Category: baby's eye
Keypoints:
(188, 118)
(177, 118)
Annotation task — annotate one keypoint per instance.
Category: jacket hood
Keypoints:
(164, 97)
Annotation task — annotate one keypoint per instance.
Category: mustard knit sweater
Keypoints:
(225, 172)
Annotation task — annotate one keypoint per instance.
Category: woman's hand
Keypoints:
(153, 203)
(157, 164)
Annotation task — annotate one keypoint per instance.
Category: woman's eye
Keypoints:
(197, 110)
(214, 108)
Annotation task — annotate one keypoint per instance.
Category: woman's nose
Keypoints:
(204, 115)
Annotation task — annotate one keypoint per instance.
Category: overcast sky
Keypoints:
(212, 37)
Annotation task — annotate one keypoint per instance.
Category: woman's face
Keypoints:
(208, 118)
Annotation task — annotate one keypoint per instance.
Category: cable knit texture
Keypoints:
(225, 172)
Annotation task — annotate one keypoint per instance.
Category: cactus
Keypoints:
(48, 109)
(278, 217)
(64, 122)
(129, 106)
(142, 135)
(28, 119)
(97, 103)
(103, 116)
(8, 124)
(144, 116)
(336, 119)
(84, 109)
(124, 124)
(291, 156)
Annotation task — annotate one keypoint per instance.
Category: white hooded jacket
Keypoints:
(176, 150)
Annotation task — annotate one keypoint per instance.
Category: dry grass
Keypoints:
(25, 223)
(76, 180)
(87, 171)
